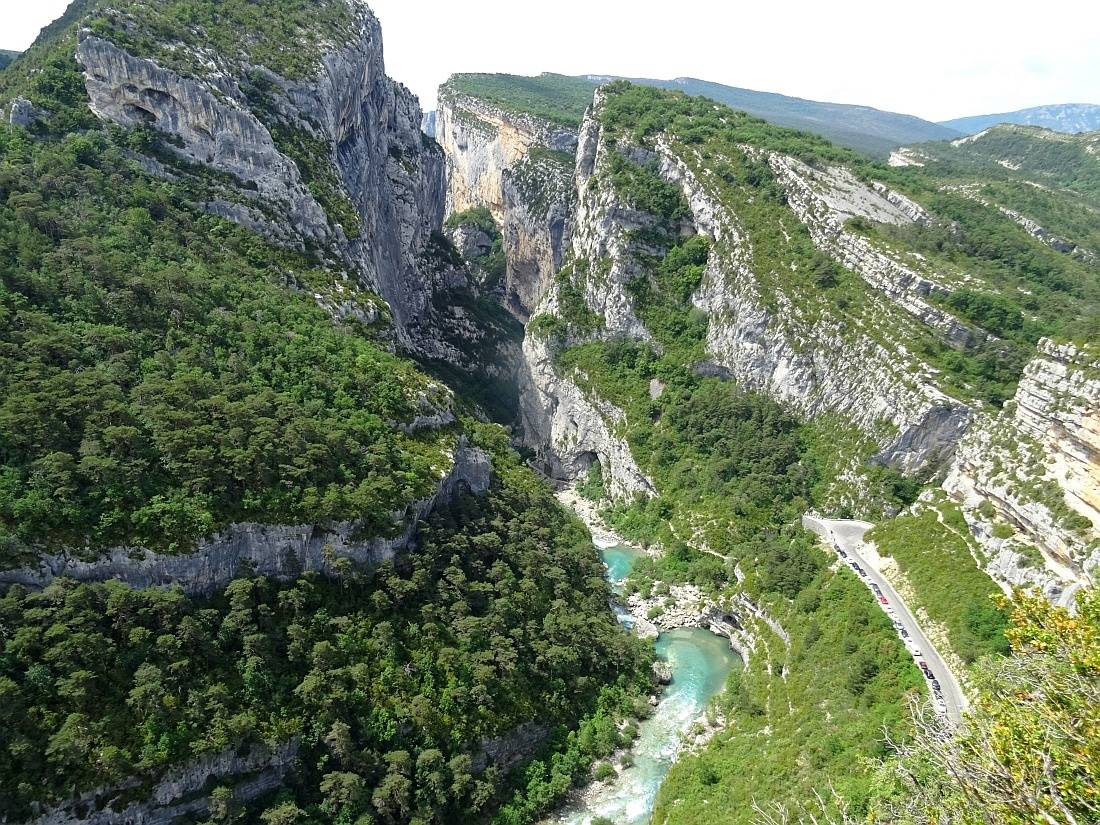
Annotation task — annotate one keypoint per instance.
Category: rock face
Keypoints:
(842, 371)
(279, 551)
(520, 168)
(182, 791)
(817, 361)
(824, 199)
(350, 116)
(1028, 479)
(23, 113)
(572, 431)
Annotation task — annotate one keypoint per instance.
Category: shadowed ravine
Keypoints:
(700, 662)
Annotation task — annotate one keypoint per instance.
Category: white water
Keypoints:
(700, 662)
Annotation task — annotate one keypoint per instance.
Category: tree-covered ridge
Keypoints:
(6, 57)
(158, 385)
(552, 97)
(166, 372)
(288, 37)
(1017, 286)
(1026, 174)
(1065, 161)
(390, 677)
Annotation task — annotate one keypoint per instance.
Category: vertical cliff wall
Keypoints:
(520, 168)
(336, 162)
(1028, 479)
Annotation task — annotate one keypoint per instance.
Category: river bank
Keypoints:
(602, 535)
(697, 663)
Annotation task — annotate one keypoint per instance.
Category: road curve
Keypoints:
(848, 536)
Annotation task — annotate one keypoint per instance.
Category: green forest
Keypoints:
(157, 386)
(166, 373)
(389, 678)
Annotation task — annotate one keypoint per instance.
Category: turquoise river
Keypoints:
(700, 663)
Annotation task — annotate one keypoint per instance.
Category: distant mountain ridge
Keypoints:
(1060, 117)
(7, 56)
(563, 99)
(863, 128)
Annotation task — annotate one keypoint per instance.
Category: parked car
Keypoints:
(936, 685)
(883, 600)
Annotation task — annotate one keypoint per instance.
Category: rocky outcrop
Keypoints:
(1028, 479)
(604, 235)
(512, 748)
(23, 113)
(818, 364)
(259, 131)
(825, 199)
(279, 551)
(133, 91)
(570, 430)
(183, 791)
(740, 619)
(538, 203)
(519, 167)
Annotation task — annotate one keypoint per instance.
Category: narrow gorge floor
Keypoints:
(700, 662)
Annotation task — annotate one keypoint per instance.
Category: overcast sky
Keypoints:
(934, 58)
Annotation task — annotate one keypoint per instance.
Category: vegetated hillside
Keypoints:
(938, 282)
(868, 317)
(1048, 182)
(864, 128)
(558, 98)
(6, 57)
(1059, 117)
(197, 349)
(563, 100)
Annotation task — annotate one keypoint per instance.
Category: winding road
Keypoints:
(845, 535)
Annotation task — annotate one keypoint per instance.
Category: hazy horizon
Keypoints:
(933, 65)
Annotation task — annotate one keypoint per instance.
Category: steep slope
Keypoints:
(1046, 182)
(751, 322)
(1028, 480)
(248, 546)
(812, 280)
(1059, 117)
(515, 163)
(189, 146)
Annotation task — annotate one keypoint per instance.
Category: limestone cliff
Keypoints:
(278, 551)
(1028, 479)
(820, 362)
(768, 335)
(249, 772)
(570, 429)
(519, 167)
(336, 162)
(328, 159)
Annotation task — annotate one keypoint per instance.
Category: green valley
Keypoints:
(586, 451)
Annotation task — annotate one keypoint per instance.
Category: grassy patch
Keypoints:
(947, 581)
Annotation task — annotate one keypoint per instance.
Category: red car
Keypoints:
(884, 600)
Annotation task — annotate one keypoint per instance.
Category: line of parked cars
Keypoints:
(910, 643)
